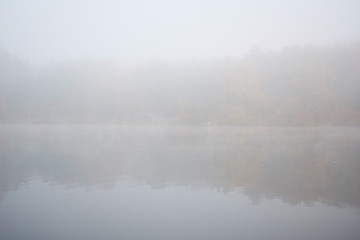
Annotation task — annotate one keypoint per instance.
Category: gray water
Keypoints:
(179, 182)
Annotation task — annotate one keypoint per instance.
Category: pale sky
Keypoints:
(43, 31)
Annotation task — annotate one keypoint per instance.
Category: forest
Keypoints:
(297, 85)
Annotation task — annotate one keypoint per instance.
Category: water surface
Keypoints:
(179, 182)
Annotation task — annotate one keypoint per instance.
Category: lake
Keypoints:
(179, 182)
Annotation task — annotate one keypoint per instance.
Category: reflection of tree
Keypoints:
(293, 164)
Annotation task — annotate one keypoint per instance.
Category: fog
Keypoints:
(42, 32)
(188, 62)
(179, 119)
(305, 86)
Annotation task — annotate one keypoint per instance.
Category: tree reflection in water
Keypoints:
(294, 164)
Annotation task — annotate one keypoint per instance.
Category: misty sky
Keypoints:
(42, 31)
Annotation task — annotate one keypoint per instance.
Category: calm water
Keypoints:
(162, 182)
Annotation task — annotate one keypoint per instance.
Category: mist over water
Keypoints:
(295, 164)
(179, 119)
(162, 179)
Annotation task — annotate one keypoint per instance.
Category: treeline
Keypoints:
(308, 85)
